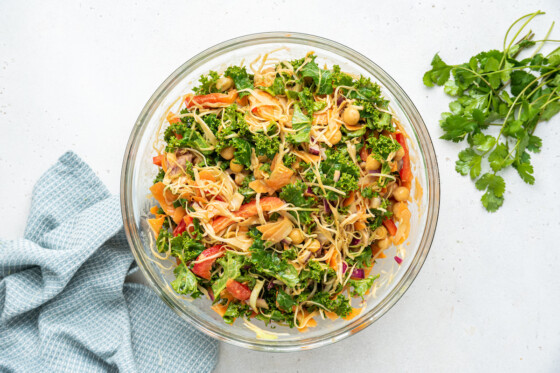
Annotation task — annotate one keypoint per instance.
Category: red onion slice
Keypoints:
(358, 273)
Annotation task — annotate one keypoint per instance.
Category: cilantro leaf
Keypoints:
(525, 171)
(550, 110)
(483, 143)
(456, 127)
(495, 187)
(469, 163)
(520, 80)
(439, 73)
(499, 158)
(535, 144)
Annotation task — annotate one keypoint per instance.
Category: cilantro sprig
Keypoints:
(499, 101)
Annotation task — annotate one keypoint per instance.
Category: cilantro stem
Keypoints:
(480, 76)
(515, 102)
(531, 16)
(517, 68)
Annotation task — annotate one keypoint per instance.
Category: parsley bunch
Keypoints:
(499, 101)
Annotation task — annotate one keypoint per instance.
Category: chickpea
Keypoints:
(227, 153)
(235, 167)
(335, 137)
(401, 193)
(314, 246)
(239, 179)
(380, 233)
(224, 83)
(384, 243)
(399, 154)
(351, 116)
(372, 163)
(296, 235)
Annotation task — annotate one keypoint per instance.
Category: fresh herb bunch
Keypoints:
(500, 100)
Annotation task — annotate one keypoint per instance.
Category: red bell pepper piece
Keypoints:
(211, 100)
(238, 290)
(405, 172)
(202, 268)
(180, 228)
(185, 224)
(158, 159)
(246, 211)
(364, 153)
(391, 227)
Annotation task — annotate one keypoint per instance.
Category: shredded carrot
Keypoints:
(359, 225)
(157, 191)
(355, 312)
(333, 262)
(156, 224)
(220, 309)
(179, 213)
(206, 175)
(350, 200)
(331, 315)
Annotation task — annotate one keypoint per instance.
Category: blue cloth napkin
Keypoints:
(64, 305)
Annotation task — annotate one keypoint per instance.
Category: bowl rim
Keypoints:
(420, 131)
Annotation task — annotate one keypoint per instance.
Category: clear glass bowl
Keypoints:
(138, 173)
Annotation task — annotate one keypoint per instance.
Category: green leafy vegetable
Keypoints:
(294, 194)
(383, 146)
(360, 287)
(185, 281)
(339, 305)
(242, 152)
(285, 301)
(240, 77)
(207, 84)
(499, 101)
(321, 78)
(231, 263)
(269, 263)
(301, 125)
(186, 248)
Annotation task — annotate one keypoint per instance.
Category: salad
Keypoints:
(280, 184)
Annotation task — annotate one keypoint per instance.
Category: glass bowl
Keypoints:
(138, 173)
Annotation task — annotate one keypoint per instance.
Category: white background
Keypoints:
(75, 75)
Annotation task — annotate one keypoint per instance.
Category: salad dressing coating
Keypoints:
(278, 189)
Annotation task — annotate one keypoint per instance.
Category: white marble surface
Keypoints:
(74, 75)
